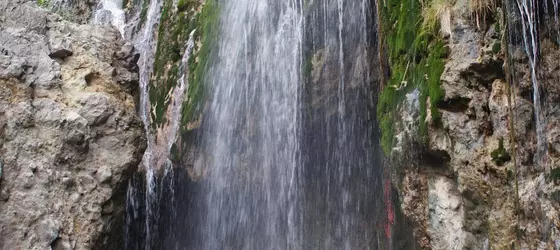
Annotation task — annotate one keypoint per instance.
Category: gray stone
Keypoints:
(48, 231)
(103, 174)
(12, 66)
(60, 47)
(95, 108)
(56, 130)
(86, 184)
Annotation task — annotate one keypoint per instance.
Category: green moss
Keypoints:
(206, 32)
(555, 174)
(434, 68)
(500, 155)
(174, 153)
(44, 3)
(308, 67)
(143, 14)
(415, 54)
(173, 33)
(496, 47)
(185, 5)
(498, 28)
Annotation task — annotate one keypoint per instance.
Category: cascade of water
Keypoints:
(287, 141)
(253, 125)
(529, 21)
(111, 12)
(145, 42)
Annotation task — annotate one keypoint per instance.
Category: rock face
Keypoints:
(457, 190)
(69, 135)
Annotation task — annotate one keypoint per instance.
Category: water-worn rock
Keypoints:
(69, 135)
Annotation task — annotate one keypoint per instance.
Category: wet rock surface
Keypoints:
(69, 135)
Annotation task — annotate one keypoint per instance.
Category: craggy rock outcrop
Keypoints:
(78, 11)
(458, 190)
(69, 135)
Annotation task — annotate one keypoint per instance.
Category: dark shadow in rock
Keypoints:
(455, 104)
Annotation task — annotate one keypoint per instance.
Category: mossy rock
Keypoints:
(555, 174)
(416, 57)
(500, 156)
(496, 47)
(185, 5)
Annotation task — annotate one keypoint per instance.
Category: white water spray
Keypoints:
(111, 12)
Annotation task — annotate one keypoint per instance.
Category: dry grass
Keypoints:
(437, 13)
(481, 9)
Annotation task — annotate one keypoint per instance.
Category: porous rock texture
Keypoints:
(69, 135)
(454, 192)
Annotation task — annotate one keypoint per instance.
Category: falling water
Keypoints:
(341, 140)
(178, 95)
(529, 21)
(145, 43)
(253, 127)
(288, 144)
(111, 12)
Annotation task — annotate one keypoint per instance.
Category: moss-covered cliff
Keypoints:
(458, 122)
(176, 24)
(176, 85)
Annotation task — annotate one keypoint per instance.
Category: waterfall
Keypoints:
(111, 12)
(529, 21)
(253, 126)
(287, 148)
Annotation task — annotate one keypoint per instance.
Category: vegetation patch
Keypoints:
(415, 53)
(44, 3)
(555, 174)
(206, 34)
(173, 34)
(176, 25)
(143, 14)
(500, 155)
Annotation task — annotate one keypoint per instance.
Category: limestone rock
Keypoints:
(69, 134)
(452, 191)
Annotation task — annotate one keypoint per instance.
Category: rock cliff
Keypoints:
(472, 178)
(69, 135)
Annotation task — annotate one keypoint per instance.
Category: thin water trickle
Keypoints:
(178, 94)
(529, 22)
(145, 43)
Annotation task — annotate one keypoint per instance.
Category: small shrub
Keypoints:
(482, 9)
(555, 174)
(496, 47)
(500, 155)
(44, 3)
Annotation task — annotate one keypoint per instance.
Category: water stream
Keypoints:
(111, 12)
(288, 147)
(529, 21)
(144, 39)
